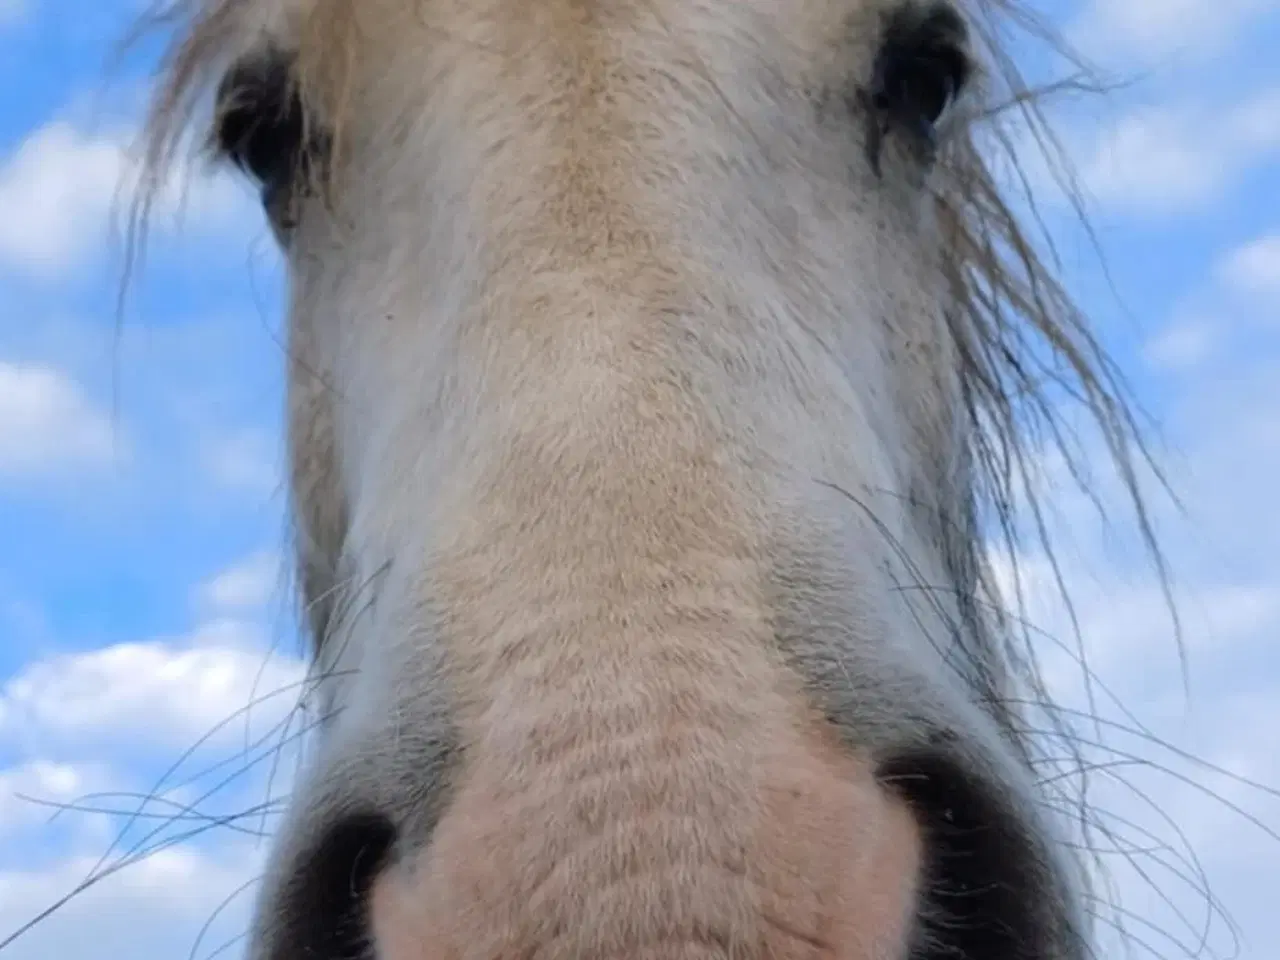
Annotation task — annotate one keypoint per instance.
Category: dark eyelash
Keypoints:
(259, 122)
(262, 126)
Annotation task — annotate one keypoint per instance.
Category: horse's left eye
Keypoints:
(261, 127)
(922, 66)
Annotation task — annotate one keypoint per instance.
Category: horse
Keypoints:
(659, 375)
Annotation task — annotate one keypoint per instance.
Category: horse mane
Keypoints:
(1029, 359)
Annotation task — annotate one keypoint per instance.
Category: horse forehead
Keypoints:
(808, 25)
(911, 356)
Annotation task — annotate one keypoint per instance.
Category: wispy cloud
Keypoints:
(1182, 345)
(56, 189)
(245, 459)
(154, 908)
(95, 720)
(190, 407)
(1172, 829)
(159, 693)
(23, 787)
(1179, 158)
(60, 186)
(1150, 30)
(48, 422)
(1254, 267)
(90, 721)
(1238, 299)
(245, 586)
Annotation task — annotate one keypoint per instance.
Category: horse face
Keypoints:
(624, 414)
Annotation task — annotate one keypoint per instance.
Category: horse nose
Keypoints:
(828, 868)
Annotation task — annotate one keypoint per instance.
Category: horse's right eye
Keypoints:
(922, 67)
(923, 64)
(261, 127)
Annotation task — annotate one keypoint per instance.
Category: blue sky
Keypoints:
(141, 598)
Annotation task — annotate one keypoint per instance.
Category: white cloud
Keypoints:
(129, 707)
(1180, 157)
(1146, 785)
(1154, 29)
(47, 421)
(1216, 318)
(56, 189)
(43, 780)
(1182, 345)
(194, 399)
(1225, 448)
(157, 693)
(244, 459)
(1253, 268)
(247, 585)
(60, 186)
(1225, 432)
(152, 908)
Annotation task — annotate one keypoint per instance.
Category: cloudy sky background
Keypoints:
(141, 599)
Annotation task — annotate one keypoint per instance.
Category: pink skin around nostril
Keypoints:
(833, 862)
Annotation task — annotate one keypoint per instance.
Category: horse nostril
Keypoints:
(323, 912)
(987, 878)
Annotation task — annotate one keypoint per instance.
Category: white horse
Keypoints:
(658, 370)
